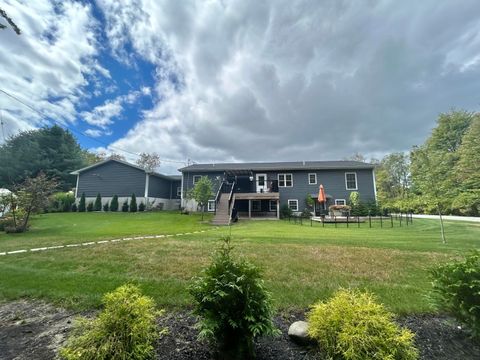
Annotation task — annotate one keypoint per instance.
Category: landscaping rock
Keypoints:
(298, 332)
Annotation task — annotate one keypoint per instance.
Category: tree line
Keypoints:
(440, 176)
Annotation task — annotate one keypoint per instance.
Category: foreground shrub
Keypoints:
(456, 287)
(285, 211)
(125, 206)
(81, 205)
(105, 207)
(352, 326)
(90, 207)
(61, 202)
(125, 329)
(232, 304)
(74, 207)
(141, 207)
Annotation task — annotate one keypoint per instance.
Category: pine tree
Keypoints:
(114, 203)
(90, 207)
(81, 205)
(133, 204)
(105, 206)
(141, 207)
(98, 203)
(125, 206)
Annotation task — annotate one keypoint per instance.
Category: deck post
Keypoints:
(278, 209)
(249, 209)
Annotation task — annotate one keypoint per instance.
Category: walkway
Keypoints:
(21, 251)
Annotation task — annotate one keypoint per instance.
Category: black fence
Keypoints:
(390, 221)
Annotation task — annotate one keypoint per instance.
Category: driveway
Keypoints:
(449, 217)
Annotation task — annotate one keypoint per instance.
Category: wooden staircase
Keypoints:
(222, 215)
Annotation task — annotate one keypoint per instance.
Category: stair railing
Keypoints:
(219, 193)
(231, 201)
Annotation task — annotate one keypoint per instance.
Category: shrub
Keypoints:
(114, 203)
(81, 205)
(98, 203)
(74, 207)
(105, 206)
(306, 214)
(353, 326)
(133, 204)
(285, 211)
(456, 287)
(125, 206)
(90, 207)
(61, 202)
(125, 329)
(141, 207)
(5, 223)
(232, 304)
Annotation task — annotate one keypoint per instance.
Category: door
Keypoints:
(261, 181)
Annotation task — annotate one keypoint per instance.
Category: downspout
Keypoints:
(374, 184)
(76, 188)
(147, 185)
(181, 192)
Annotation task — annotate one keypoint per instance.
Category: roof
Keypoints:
(169, 177)
(289, 165)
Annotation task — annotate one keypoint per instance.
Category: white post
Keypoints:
(147, 184)
(278, 209)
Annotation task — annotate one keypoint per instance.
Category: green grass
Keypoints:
(301, 263)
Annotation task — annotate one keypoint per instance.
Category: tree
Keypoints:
(105, 207)
(98, 203)
(90, 158)
(133, 204)
(125, 206)
(32, 196)
(202, 192)
(82, 204)
(10, 22)
(114, 156)
(393, 178)
(114, 203)
(357, 157)
(51, 150)
(149, 161)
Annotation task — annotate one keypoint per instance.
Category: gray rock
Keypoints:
(298, 332)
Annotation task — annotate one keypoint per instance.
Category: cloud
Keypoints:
(292, 80)
(49, 64)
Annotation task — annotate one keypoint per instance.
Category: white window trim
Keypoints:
(211, 208)
(344, 201)
(196, 177)
(312, 183)
(274, 202)
(257, 202)
(285, 179)
(356, 181)
(288, 203)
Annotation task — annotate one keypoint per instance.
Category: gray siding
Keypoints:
(112, 178)
(174, 185)
(159, 187)
(332, 180)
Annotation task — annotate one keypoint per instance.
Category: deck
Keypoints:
(258, 196)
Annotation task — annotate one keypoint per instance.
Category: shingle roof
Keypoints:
(169, 177)
(289, 165)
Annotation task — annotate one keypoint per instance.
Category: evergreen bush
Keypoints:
(141, 207)
(124, 329)
(125, 206)
(81, 205)
(105, 207)
(114, 203)
(353, 326)
(90, 207)
(98, 203)
(133, 204)
(285, 211)
(232, 304)
(74, 207)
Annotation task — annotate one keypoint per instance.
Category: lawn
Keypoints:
(301, 263)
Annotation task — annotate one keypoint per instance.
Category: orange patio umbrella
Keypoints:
(321, 195)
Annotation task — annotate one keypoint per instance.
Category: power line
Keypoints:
(77, 131)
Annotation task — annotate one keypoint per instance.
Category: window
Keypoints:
(293, 204)
(196, 178)
(312, 179)
(211, 205)
(272, 205)
(256, 205)
(285, 180)
(179, 191)
(340, 202)
(351, 181)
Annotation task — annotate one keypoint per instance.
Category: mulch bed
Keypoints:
(35, 330)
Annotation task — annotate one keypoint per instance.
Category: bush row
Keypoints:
(112, 206)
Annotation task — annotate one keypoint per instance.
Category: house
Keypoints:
(115, 177)
(260, 189)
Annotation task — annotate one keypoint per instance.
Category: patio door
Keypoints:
(261, 181)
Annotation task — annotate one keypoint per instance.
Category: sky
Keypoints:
(226, 81)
